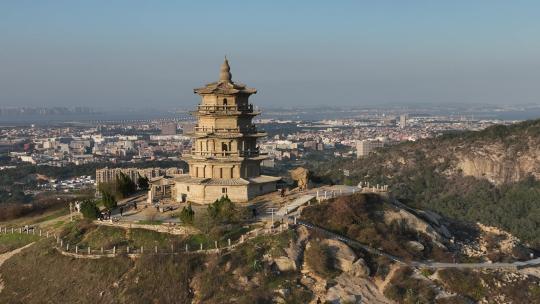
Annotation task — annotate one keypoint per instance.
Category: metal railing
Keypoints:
(248, 153)
(225, 108)
(208, 130)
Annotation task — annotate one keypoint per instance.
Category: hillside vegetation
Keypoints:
(491, 176)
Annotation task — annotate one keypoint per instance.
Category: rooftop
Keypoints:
(225, 85)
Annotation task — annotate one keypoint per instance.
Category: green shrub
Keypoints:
(222, 210)
(124, 185)
(142, 182)
(108, 200)
(187, 215)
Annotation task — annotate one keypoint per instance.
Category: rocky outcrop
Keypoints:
(351, 289)
(414, 223)
(301, 176)
(295, 251)
(498, 164)
(359, 269)
(284, 264)
(343, 256)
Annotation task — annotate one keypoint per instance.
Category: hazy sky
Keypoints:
(153, 53)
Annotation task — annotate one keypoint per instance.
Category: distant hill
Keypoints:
(490, 176)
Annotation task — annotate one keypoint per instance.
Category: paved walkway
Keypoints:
(304, 199)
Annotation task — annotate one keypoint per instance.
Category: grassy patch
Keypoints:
(106, 237)
(40, 274)
(162, 279)
(405, 289)
(464, 282)
(9, 242)
(149, 239)
(150, 222)
(58, 224)
(52, 216)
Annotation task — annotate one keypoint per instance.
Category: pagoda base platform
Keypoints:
(208, 190)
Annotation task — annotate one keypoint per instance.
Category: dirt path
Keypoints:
(4, 257)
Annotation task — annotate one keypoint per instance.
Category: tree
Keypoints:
(89, 209)
(187, 214)
(108, 200)
(142, 182)
(222, 210)
(124, 185)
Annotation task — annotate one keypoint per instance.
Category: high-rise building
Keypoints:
(364, 147)
(225, 159)
(403, 121)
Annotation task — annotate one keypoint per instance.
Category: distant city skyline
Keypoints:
(141, 54)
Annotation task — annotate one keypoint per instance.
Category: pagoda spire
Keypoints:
(225, 73)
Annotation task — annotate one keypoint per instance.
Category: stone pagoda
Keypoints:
(225, 159)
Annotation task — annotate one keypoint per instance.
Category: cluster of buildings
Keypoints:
(363, 135)
(80, 145)
(75, 183)
(107, 175)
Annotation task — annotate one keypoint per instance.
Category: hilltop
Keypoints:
(441, 235)
(489, 176)
(292, 265)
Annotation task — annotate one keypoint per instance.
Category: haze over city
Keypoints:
(270, 152)
(305, 53)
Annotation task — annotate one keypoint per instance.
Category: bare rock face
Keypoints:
(343, 255)
(285, 264)
(349, 289)
(498, 164)
(415, 223)
(359, 269)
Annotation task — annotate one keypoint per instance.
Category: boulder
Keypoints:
(301, 176)
(284, 264)
(414, 223)
(359, 269)
(416, 246)
(340, 295)
(342, 254)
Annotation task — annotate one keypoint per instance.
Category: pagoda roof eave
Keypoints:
(224, 88)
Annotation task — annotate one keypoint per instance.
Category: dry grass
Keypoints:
(9, 242)
(39, 274)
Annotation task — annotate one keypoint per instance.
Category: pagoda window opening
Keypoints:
(224, 148)
(225, 102)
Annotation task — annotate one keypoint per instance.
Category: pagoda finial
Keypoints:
(225, 73)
